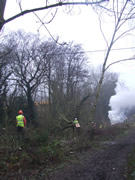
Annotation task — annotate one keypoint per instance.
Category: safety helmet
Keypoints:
(20, 112)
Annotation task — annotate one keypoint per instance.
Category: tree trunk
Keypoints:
(97, 95)
(2, 9)
(31, 108)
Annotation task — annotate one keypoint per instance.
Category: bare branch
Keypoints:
(100, 25)
(129, 59)
(19, 3)
(53, 16)
(47, 29)
(124, 33)
(51, 6)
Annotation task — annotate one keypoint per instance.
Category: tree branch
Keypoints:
(56, 41)
(129, 59)
(51, 6)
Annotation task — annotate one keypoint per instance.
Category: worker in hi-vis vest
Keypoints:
(21, 123)
(76, 123)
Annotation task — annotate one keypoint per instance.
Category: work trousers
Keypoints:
(20, 133)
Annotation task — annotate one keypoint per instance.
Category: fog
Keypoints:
(124, 99)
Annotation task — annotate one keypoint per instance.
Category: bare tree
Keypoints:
(47, 5)
(67, 78)
(29, 66)
(122, 12)
(5, 73)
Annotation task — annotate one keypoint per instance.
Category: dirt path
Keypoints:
(109, 163)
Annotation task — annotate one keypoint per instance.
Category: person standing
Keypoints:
(76, 125)
(21, 124)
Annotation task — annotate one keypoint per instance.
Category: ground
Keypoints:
(109, 162)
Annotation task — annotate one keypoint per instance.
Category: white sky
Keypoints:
(81, 27)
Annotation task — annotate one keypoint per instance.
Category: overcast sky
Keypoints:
(82, 26)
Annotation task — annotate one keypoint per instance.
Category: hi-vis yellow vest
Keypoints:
(75, 121)
(20, 121)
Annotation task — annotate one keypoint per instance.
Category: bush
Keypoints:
(53, 151)
(42, 137)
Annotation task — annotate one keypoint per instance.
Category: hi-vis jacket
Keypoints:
(75, 121)
(20, 120)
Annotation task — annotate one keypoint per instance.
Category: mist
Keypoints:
(124, 99)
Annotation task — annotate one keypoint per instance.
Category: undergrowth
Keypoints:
(131, 166)
(40, 149)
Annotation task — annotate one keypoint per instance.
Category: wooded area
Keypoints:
(51, 83)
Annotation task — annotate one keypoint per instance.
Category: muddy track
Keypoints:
(109, 163)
